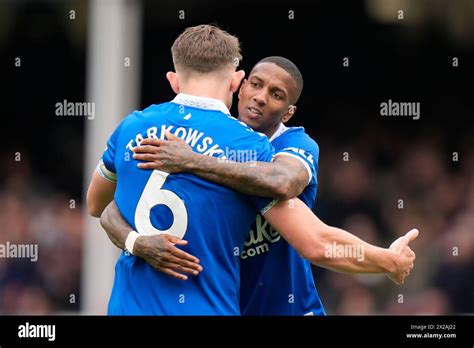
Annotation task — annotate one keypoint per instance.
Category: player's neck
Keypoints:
(209, 88)
(270, 132)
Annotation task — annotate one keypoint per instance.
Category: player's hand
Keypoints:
(404, 255)
(171, 156)
(161, 253)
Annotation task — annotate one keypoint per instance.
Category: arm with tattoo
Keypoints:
(284, 178)
(159, 251)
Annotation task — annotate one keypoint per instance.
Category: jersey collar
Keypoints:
(201, 102)
(281, 129)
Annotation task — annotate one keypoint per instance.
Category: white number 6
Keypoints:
(153, 195)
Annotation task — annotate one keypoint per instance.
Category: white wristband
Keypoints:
(130, 241)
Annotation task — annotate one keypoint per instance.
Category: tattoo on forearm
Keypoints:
(254, 178)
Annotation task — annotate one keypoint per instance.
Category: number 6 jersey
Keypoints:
(214, 219)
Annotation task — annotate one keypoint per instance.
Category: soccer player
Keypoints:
(214, 219)
(266, 100)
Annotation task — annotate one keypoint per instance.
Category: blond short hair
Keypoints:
(205, 49)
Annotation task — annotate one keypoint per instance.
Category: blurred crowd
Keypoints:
(381, 189)
(33, 212)
(377, 188)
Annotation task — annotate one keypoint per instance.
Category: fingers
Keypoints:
(409, 253)
(180, 253)
(188, 266)
(172, 267)
(400, 277)
(145, 149)
(172, 273)
(394, 245)
(176, 240)
(401, 242)
(149, 165)
(411, 235)
(184, 256)
(176, 257)
(179, 268)
(171, 137)
(151, 141)
(144, 157)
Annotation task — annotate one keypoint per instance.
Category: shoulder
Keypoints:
(137, 116)
(296, 137)
(244, 132)
(149, 111)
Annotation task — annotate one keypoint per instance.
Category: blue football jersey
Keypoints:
(214, 219)
(275, 279)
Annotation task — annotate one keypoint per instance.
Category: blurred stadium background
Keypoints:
(77, 51)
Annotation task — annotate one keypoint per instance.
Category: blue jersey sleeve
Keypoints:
(265, 153)
(302, 148)
(106, 167)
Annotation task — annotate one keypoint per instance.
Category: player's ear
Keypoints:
(236, 80)
(241, 86)
(173, 79)
(289, 114)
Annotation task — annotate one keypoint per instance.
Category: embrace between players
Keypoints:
(199, 230)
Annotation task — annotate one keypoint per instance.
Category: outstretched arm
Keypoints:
(284, 178)
(319, 243)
